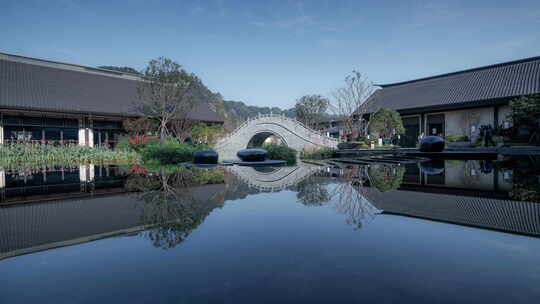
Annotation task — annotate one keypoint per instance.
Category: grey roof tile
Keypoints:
(505, 80)
(47, 87)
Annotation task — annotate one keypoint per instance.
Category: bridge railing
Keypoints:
(282, 117)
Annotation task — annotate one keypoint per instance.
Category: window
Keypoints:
(35, 133)
(70, 134)
(12, 120)
(13, 132)
(54, 122)
(53, 134)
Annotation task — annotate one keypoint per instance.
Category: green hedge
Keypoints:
(280, 152)
(456, 137)
(170, 152)
(323, 153)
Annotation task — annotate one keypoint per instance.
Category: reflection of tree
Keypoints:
(311, 192)
(350, 197)
(347, 194)
(386, 177)
(526, 177)
(169, 205)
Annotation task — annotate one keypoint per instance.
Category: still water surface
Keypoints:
(436, 233)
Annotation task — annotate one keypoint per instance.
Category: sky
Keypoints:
(269, 53)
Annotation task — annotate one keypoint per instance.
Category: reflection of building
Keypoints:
(54, 101)
(51, 183)
(458, 102)
(462, 193)
(28, 228)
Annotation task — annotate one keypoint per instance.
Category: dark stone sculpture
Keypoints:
(252, 155)
(432, 144)
(207, 157)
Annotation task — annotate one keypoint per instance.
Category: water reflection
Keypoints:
(173, 204)
(67, 205)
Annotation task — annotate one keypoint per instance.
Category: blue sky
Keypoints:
(272, 52)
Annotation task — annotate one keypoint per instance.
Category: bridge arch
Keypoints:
(258, 139)
(292, 132)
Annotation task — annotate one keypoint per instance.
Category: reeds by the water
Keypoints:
(17, 153)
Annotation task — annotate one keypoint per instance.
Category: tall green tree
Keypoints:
(163, 94)
(386, 123)
(526, 113)
(310, 109)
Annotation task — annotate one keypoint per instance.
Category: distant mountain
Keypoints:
(240, 112)
(234, 113)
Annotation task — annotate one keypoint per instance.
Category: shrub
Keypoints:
(322, 153)
(363, 139)
(353, 145)
(456, 137)
(169, 152)
(123, 144)
(281, 152)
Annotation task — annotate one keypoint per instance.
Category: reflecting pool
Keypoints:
(435, 232)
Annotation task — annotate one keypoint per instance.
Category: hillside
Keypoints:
(233, 112)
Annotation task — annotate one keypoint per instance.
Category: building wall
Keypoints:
(463, 121)
(503, 112)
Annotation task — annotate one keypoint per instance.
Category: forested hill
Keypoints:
(233, 112)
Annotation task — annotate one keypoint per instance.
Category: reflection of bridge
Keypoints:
(290, 131)
(274, 180)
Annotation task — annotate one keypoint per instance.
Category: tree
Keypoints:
(350, 103)
(526, 114)
(140, 126)
(163, 93)
(204, 133)
(386, 123)
(310, 109)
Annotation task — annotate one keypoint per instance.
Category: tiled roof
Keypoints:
(44, 85)
(484, 84)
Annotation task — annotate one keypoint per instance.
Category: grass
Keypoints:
(38, 153)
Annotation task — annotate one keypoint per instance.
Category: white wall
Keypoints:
(461, 121)
(503, 111)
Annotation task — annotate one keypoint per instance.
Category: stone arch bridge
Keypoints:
(290, 131)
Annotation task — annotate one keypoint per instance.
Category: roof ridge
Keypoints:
(67, 66)
(501, 64)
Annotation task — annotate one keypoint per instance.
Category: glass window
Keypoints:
(13, 132)
(12, 120)
(52, 134)
(54, 122)
(35, 133)
(107, 125)
(32, 121)
(71, 123)
(70, 134)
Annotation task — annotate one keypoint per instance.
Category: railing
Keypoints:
(282, 117)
